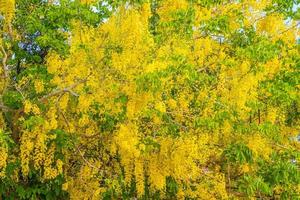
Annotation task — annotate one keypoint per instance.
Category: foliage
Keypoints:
(149, 99)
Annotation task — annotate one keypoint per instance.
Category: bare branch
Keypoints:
(64, 90)
(86, 161)
(5, 108)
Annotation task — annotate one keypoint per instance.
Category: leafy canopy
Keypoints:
(160, 99)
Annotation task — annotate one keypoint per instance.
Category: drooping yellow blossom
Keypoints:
(38, 86)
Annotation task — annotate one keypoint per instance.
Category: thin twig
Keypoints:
(64, 90)
(5, 108)
(294, 26)
(19, 90)
(85, 160)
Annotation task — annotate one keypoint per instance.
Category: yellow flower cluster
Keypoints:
(171, 159)
(7, 8)
(84, 186)
(3, 155)
(38, 86)
(259, 146)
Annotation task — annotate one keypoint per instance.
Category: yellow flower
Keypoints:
(259, 146)
(35, 109)
(59, 165)
(160, 106)
(65, 186)
(245, 168)
(38, 86)
(27, 106)
(172, 103)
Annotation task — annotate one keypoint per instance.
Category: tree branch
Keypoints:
(64, 90)
(286, 30)
(5, 108)
(86, 161)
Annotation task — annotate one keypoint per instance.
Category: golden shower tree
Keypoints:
(156, 99)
